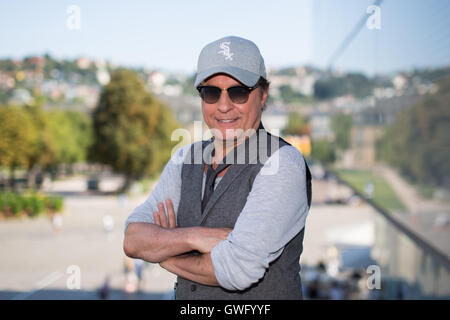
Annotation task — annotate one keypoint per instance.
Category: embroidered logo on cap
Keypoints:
(226, 50)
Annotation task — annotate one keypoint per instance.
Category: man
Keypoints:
(235, 206)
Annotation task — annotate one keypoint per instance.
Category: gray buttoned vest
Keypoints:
(282, 278)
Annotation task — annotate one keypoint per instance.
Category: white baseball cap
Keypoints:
(235, 56)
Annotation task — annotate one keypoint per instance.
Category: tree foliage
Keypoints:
(42, 150)
(352, 83)
(37, 140)
(341, 124)
(131, 128)
(418, 142)
(72, 135)
(297, 125)
(323, 151)
(289, 95)
(17, 137)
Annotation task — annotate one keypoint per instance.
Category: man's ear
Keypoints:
(264, 95)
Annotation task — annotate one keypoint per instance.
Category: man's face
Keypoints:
(229, 120)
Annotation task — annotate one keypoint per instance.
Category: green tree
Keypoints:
(131, 128)
(330, 86)
(17, 139)
(323, 151)
(418, 142)
(324, 90)
(341, 124)
(72, 135)
(43, 151)
(289, 95)
(297, 125)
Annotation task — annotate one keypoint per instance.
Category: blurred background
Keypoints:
(90, 93)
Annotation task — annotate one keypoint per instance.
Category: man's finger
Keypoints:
(156, 218)
(171, 214)
(162, 215)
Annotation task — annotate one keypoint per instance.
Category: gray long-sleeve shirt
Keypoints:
(277, 202)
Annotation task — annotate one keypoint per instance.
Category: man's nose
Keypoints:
(224, 104)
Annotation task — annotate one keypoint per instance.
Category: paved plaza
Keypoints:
(37, 261)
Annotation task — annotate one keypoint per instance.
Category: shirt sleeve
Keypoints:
(275, 212)
(168, 187)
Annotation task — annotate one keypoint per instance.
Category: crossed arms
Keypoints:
(275, 211)
(164, 243)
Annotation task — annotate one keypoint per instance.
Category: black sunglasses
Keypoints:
(237, 94)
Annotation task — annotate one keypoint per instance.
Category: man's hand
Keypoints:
(203, 239)
(195, 267)
(163, 220)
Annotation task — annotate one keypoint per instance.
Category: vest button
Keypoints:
(193, 287)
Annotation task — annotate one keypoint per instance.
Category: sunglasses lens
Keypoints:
(238, 94)
(210, 94)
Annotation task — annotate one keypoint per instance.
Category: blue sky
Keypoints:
(169, 35)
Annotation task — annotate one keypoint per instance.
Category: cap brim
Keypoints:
(246, 77)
